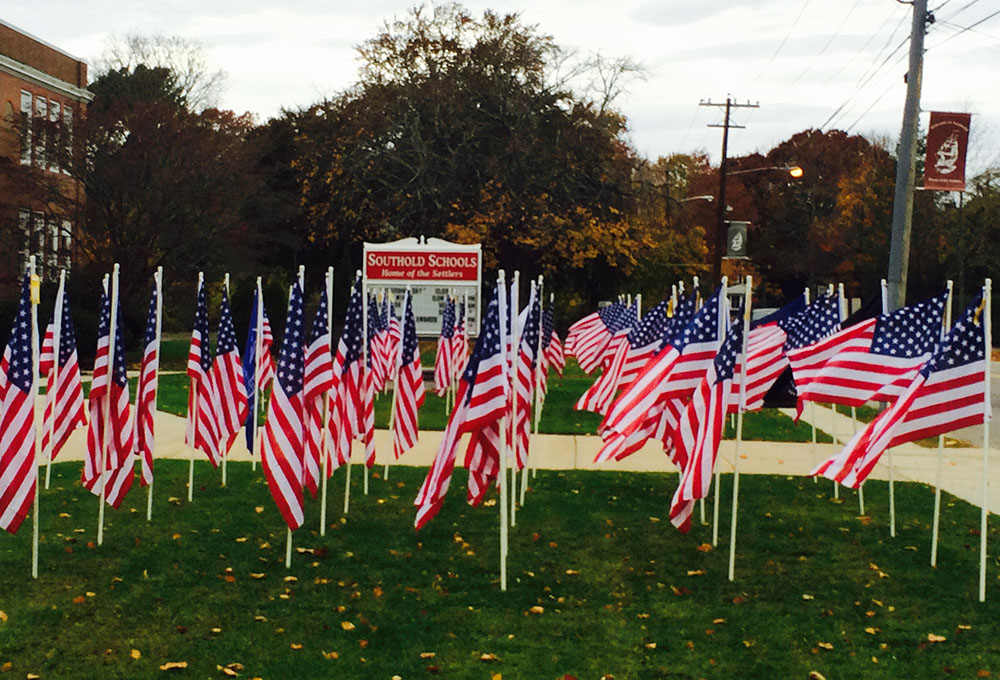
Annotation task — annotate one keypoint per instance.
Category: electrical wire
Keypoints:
(827, 45)
(870, 107)
(862, 49)
(783, 41)
(965, 29)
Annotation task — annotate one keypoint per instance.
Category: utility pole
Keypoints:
(902, 204)
(718, 243)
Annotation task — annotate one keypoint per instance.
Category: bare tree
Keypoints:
(186, 59)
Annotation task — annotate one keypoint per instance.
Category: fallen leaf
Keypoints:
(650, 645)
(825, 645)
(32, 676)
(235, 666)
(7, 665)
(175, 536)
(816, 675)
(295, 645)
(870, 630)
(537, 609)
(331, 655)
(806, 596)
(227, 671)
(718, 620)
(983, 673)
(257, 575)
(291, 579)
(738, 600)
(3, 616)
(496, 676)
(230, 578)
(174, 665)
(377, 592)
(748, 643)
(259, 509)
(704, 547)
(961, 626)
(135, 654)
(427, 655)
(79, 599)
(216, 630)
(696, 572)
(347, 625)
(553, 544)
(572, 572)
(642, 616)
(241, 539)
(931, 637)
(260, 618)
(488, 657)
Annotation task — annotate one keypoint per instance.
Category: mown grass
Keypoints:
(620, 592)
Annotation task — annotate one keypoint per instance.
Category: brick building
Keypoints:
(43, 96)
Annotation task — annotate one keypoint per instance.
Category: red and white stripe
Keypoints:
(145, 407)
(18, 471)
(281, 452)
(409, 394)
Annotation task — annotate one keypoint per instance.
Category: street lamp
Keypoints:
(794, 171)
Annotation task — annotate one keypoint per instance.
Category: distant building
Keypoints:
(43, 97)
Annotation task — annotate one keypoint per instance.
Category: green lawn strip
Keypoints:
(621, 592)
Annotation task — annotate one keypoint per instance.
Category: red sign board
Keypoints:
(947, 140)
(423, 265)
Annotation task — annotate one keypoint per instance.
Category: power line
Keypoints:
(967, 28)
(872, 106)
(959, 10)
(862, 49)
(828, 43)
(971, 30)
(837, 117)
(783, 40)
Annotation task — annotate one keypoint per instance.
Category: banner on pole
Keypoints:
(947, 142)
(736, 240)
(433, 268)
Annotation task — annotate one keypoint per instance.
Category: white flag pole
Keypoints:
(515, 344)
(739, 429)
(364, 357)
(697, 306)
(842, 310)
(258, 390)
(536, 378)
(888, 451)
(158, 279)
(861, 486)
(224, 454)
(540, 396)
(638, 307)
(106, 444)
(49, 426)
(940, 449)
(504, 433)
(193, 424)
(987, 415)
(723, 328)
(288, 537)
(35, 293)
(324, 451)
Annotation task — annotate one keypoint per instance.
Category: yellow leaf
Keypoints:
(537, 609)
(650, 645)
(295, 645)
(174, 665)
(931, 637)
(806, 596)
(825, 645)
(176, 536)
(377, 592)
(257, 575)
(347, 625)
(961, 626)
(696, 572)
(32, 676)
(488, 657)
(705, 547)
(331, 655)
(216, 630)
(135, 654)
(291, 579)
(7, 665)
(228, 671)
(816, 675)
(496, 676)
(427, 655)
(259, 509)
(718, 620)
(572, 572)
(870, 630)
(3, 616)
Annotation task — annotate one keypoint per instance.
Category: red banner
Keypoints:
(423, 265)
(947, 141)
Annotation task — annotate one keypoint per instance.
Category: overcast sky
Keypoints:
(802, 60)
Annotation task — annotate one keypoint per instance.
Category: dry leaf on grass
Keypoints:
(347, 625)
(174, 666)
(331, 655)
(257, 575)
(806, 596)
(931, 637)
(295, 645)
(825, 645)
(537, 609)
(488, 657)
(696, 572)
(135, 654)
(3, 616)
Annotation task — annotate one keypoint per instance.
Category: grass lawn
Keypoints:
(600, 585)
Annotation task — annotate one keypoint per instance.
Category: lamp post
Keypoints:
(794, 171)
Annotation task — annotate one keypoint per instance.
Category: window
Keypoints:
(41, 114)
(51, 253)
(66, 255)
(25, 127)
(67, 133)
(38, 243)
(54, 126)
(24, 224)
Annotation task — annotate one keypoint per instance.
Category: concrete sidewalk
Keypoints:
(962, 468)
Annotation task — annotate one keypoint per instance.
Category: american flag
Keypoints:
(109, 406)
(443, 360)
(256, 369)
(228, 388)
(145, 398)
(876, 359)
(202, 428)
(395, 335)
(282, 445)
(409, 393)
(17, 420)
(671, 374)
(588, 336)
(700, 429)
(949, 392)
(524, 376)
(552, 349)
(377, 338)
(480, 404)
(642, 342)
(318, 383)
(353, 415)
(621, 327)
(64, 408)
(459, 343)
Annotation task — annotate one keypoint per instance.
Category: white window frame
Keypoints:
(66, 255)
(67, 132)
(41, 114)
(54, 115)
(27, 107)
(24, 225)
